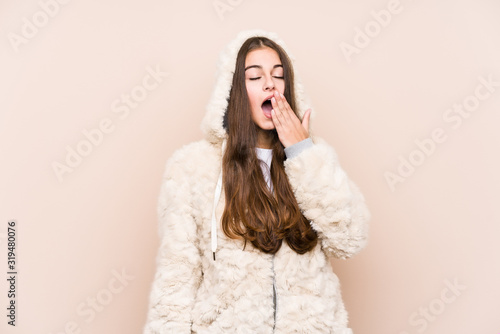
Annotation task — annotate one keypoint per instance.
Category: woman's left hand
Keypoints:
(290, 129)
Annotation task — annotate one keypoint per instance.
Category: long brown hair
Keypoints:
(251, 210)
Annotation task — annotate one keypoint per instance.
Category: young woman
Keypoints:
(250, 215)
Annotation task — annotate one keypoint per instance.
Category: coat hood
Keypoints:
(212, 123)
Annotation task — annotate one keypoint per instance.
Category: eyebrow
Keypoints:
(258, 66)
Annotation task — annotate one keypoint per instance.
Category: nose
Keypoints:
(269, 83)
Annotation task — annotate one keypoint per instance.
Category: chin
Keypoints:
(266, 126)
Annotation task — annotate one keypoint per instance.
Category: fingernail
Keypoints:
(273, 99)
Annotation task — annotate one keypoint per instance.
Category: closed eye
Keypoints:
(260, 77)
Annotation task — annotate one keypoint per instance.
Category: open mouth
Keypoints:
(267, 107)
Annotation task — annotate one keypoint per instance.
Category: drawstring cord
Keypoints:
(214, 220)
(218, 191)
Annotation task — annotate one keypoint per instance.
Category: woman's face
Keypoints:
(263, 75)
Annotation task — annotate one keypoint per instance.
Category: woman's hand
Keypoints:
(290, 129)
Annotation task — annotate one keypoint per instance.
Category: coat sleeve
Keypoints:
(329, 199)
(178, 262)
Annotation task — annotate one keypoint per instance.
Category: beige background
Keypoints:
(75, 236)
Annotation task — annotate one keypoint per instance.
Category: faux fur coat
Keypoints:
(248, 291)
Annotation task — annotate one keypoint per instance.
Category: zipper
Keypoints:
(275, 304)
